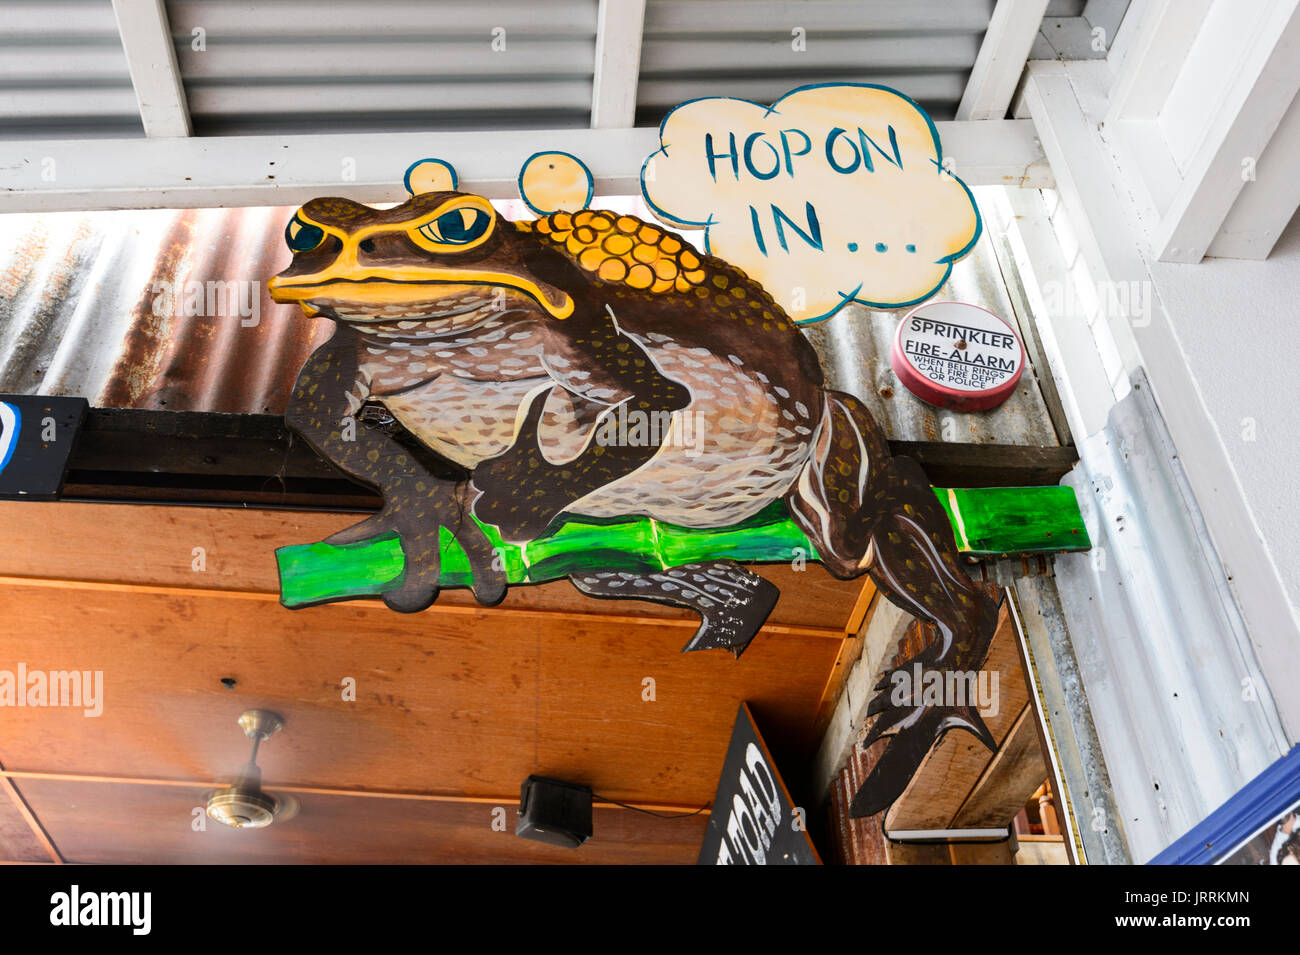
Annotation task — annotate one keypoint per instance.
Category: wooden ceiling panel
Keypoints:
(126, 823)
(18, 841)
(146, 544)
(454, 700)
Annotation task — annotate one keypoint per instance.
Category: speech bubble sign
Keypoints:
(836, 193)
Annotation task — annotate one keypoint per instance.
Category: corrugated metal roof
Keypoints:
(855, 345)
(259, 66)
(63, 72)
(304, 66)
(84, 310)
(760, 50)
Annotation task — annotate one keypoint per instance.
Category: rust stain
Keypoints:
(137, 364)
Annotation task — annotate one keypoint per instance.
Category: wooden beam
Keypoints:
(618, 63)
(25, 811)
(199, 172)
(918, 853)
(208, 457)
(882, 631)
(238, 546)
(151, 58)
(447, 701)
(948, 464)
(505, 799)
(855, 632)
(121, 823)
(1012, 775)
(955, 765)
(1001, 59)
(456, 613)
(983, 853)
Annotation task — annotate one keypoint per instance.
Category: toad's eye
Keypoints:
(303, 236)
(457, 227)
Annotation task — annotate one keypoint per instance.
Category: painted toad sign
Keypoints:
(587, 395)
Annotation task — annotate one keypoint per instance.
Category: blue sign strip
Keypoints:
(11, 426)
(1264, 798)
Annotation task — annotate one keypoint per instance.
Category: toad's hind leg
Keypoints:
(732, 602)
(866, 511)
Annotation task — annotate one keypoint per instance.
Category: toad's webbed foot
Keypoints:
(417, 502)
(912, 730)
(732, 602)
(914, 724)
(416, 511)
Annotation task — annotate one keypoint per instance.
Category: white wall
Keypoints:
(1238, 324)
(1214, 344)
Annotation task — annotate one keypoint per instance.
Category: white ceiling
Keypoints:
(300, 66)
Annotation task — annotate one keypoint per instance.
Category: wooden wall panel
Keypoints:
(456, 701)
(856, 841)
(1015, 771)
(449, 701)
(953, 768)
(124, 823)
(18, 843)
(149, 544)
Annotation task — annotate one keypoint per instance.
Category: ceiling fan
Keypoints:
(244, 804)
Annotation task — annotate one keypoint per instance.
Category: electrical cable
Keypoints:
(649, 812)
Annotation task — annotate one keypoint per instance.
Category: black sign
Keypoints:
(754, 821)
(36, 436)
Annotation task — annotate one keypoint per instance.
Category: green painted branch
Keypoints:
(986, 522)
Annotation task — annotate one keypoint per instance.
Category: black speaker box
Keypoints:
(553, 811)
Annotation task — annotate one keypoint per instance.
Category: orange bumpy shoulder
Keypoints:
(624, 250)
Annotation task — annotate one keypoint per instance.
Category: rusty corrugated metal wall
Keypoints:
(167, 309)
(150, 309)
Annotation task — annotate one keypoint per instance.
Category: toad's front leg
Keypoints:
(522, 491)
(417, 503)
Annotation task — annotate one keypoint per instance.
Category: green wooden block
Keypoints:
(991, 521)
(986, 522)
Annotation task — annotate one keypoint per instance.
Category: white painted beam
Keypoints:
(151, 58)
(690, 17)
(1171, 118)
(1267, 200)
(1164, 32)
(1260, 91)
(1192, 113)
(1001, 59)
(1072, 357)
(618, 63)
(47, 176)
